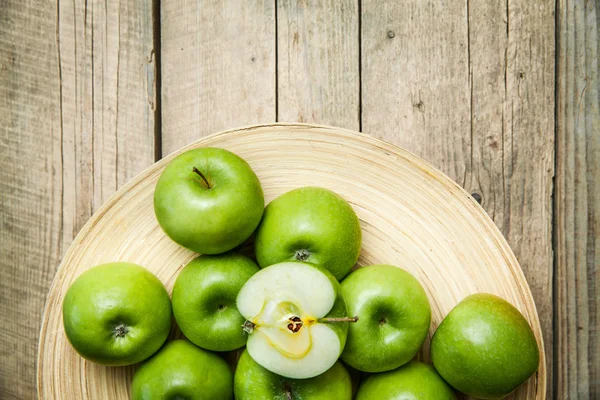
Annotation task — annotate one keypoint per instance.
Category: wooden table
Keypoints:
(503, 96)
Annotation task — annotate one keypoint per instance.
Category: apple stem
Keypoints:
(196, 170)
(342, 319)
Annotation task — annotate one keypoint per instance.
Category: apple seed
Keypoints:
(295, 325)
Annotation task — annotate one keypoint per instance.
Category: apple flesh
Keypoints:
(415, 380)
(394, 317)
(181, 370)
(296, 319)
(208, 200)
(204, 298)
(117, 314)
(312, 225)
(251, 382)
(484, 347)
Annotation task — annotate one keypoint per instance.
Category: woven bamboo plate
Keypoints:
(412, 216)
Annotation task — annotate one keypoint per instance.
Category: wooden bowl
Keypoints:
(412, 216)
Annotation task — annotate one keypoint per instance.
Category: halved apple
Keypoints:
(296, 319)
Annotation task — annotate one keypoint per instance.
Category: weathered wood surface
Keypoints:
(474, 96)
(218, 67)
(468, 86)
(577, 201)
(31, 212)
(77, 111)
(318, 47)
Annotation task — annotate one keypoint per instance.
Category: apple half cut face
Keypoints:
(296, 319)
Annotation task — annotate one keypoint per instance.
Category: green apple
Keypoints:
(204, 297)
(412, 381)
(313, 225)
(252, 382)
(117, 314)
(208, 200)
(296, 319)
(484, 347)
(394, 318)
(181, 370)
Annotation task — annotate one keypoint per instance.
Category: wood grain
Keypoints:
(107, 70)
(318, 62)
(218, 67)
(78, 124)
(415, 79)
(577, 201)
(466, 85)
(31, 242)
(474, 96)
(411, 216)
(512, 145)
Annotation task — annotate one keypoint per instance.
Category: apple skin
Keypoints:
(111, 296)
(251, 382)
(339, 310)
(412, 381)
(313, 225)
(208, 220)
(181, 370)
(204, 298)
(394, 318)
(484, 347)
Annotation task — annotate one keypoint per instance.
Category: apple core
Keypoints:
(291, 310)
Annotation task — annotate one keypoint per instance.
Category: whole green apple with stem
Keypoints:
(295, 317)
(251, 382)
(117, 314)
(484, 347)
(415, 380)
(181, 370)
(394, 318)
(208, 200)
(313, 225)
(204, 298)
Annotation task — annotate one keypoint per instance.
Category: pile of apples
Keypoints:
(304, 318)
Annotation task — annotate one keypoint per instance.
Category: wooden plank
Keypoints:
(577, 201)
(415, 86)
(218, 67)
(30, 185)
(512, 108)
(108, 100)
(474, 96)
(78, 123)
(318, 62)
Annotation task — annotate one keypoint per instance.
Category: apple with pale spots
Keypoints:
(204, 297)
(208, 200)
(394, 316)
(313, 225)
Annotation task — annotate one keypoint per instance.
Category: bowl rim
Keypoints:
(422, 164)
